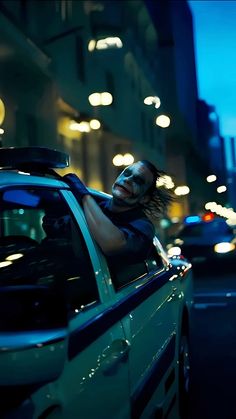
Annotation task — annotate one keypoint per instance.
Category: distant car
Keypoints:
(203, 243)
(77, 339)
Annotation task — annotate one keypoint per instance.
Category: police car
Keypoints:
(207, 241)
(76, 339)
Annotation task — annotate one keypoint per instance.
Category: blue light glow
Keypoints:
(192, 219)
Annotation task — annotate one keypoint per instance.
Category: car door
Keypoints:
(76, 367)
(95, 380)
(150, 296)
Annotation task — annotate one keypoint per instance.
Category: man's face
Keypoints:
(130, 188)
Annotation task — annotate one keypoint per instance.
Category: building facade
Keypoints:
(75, 68)
(55, 54)
(173, 20)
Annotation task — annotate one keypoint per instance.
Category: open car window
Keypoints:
(42, 246)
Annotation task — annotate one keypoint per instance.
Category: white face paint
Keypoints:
(130, 187)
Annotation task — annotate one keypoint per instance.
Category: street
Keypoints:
(213, 347)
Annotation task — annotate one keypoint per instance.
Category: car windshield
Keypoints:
(205, 229)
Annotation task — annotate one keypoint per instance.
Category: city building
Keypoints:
(84, 55)
(105, 81)
(185, 159)
(212, 150)
(210, 141)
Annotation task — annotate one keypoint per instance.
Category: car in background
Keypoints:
(206, 241)
(78, 338)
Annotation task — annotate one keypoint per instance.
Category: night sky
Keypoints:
(215, 49)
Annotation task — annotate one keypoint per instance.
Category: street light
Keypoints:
(103, 98)
(152, 100)
(84, 126)
(106, 99)
(211, 178)
(182, 190)
(118, 160)
(227, 213)
(95, 124)
(128, 159)
(163, 121)
(221, 189)
(165, 181)
(105, 43)
(123, 159)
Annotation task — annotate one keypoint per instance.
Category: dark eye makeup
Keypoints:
(137, 179)
(127, 172)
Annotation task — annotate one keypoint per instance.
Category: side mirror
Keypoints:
(33, 332)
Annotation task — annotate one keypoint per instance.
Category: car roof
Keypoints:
(18, 178)
(205, 223)
(217, 226)
(35, 166)
(11, 178)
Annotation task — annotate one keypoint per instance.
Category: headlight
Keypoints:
(174, 251)
(224, 247)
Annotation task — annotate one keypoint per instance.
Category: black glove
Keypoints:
(76, 185)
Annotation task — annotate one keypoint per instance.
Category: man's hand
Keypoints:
(76, 185)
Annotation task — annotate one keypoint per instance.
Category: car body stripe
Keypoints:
(84, 335)
(148, 386)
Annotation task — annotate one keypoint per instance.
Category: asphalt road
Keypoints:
(214, 347)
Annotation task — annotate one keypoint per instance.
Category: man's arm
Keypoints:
(109, 237)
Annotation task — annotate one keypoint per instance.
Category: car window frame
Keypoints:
(97, 258)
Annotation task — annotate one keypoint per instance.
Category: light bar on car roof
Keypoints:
(191, 219)
(18, 157)
(208, 216)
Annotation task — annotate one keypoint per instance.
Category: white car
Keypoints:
(76, 339)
